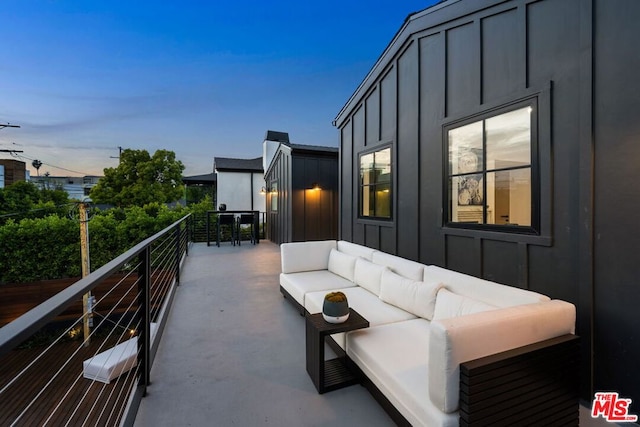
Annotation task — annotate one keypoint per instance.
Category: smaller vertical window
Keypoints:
(376, 190)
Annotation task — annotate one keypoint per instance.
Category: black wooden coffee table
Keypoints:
(328, 375)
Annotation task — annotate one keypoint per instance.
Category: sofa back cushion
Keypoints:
(404, 267)
(355, 249)
(449, 304)
(418, 298)
(305, 256)
(342, 264)
(486, 291)
(368, 275)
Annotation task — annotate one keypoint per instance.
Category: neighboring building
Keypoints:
(497, 138)
(302, 192)
(207, 183)
(77, 187)
(12, 171)
(239, 183)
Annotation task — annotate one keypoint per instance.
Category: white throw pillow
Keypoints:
(368, 275)
(417, 298)
(342, 264)
(449, 305)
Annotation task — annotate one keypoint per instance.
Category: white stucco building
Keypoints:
(240, 183)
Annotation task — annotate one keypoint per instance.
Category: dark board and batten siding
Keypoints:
(465, 58)
(303, 214)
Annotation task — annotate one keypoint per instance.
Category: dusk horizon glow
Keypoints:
(203, 80)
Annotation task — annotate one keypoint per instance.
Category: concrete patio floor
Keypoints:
(233, 352)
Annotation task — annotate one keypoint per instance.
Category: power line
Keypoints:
(35, 210)
(53, 166)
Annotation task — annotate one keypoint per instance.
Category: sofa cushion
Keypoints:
(298, 284)
(365, 303)
(305, 256)
(342, 264)
(483, 290)
(404, 267)
(355, 249)
(417, 298)
(449, 304)
(368, 275)
(461, 339)
(394, 357)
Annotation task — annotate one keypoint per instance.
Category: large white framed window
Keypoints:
(492, 170)
(376, 189)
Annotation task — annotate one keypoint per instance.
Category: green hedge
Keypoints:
(49, 248)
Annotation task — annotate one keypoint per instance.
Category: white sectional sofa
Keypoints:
(425, 322)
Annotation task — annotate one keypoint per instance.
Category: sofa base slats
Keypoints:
(530, 385)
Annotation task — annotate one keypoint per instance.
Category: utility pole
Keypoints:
(119, 154)
(87, 301)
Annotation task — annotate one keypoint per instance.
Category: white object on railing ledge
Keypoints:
(112, 363)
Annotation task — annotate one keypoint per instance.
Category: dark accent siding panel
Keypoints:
(372, 111)
(388, 240)
(313, 210)
(408, 154)
(552, 271)
(554, 55)
(432, 103)
(347, 197)
(463, 69)
(552, 41)
(358, 145)
(617, 137)
(500, 262)
(299, 218)
(463, 255)
(328, 180)
(503, 57)
(388, 106)
(372, 236)
(358, 233)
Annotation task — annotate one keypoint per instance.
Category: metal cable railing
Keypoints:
(97, 380)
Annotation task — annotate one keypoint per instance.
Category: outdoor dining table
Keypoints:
(256, 221)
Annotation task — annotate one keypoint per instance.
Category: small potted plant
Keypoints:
(335, 308)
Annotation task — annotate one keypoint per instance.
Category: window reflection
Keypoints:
(490, 170)
(375, 184)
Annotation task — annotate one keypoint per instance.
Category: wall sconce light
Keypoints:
(315, 186)
(263, 191)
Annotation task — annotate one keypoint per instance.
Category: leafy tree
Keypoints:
(29, 201)
(140, 179)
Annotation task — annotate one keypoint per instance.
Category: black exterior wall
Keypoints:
(460, 58)
(301, 212)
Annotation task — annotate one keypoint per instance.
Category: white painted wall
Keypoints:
(234, 190)
(269, 149)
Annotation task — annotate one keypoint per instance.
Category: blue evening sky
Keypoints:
(201, 78)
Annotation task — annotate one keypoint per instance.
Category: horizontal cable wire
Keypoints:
(118, 341)
(102, 389)
(67, 362)
(166, 253)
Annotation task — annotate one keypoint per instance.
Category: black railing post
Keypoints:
(144, 336)
(186, 234)
(178, 253)
(207, 228)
